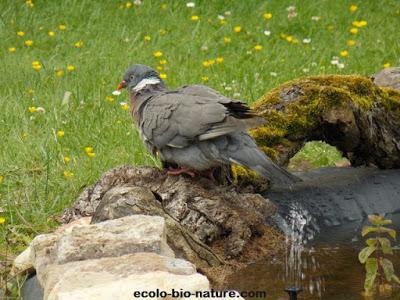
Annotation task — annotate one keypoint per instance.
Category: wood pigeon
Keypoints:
(195, 128)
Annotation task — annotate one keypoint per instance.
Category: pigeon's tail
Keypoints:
(248, 155)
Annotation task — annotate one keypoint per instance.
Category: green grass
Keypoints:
(33, 189)
(314, 155)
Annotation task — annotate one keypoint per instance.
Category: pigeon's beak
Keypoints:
(122, 85)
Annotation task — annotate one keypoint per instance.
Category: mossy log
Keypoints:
(350, 112)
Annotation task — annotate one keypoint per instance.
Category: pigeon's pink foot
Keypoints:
(179, 171)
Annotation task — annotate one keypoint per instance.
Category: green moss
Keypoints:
(309, 98)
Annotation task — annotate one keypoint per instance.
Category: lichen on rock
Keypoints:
(349, 112)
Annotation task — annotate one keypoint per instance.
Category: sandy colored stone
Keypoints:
(138, 233)
(22, 263)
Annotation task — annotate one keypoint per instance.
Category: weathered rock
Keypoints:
(22, 263)
(114, 238)
(389, 77)
(350, 112)
(197, 212)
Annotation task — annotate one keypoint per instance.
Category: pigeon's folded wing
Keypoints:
(178, 119)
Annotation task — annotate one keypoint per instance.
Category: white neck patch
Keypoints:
(146, 81)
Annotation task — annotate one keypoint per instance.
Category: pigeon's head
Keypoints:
(138, 76)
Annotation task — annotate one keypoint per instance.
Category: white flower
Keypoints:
(204, 48)
(40, 109)
(335, 60)
(137, 2)
(221, 17)
(273, 74)
(340, 66)
(123, 103)
(307, 41)
(267, 32)
(316, 18)
(190, 4)
(306, 70)
(116, 93)
(291, 8)
(227, 13)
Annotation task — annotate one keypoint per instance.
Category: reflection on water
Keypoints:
(326, 273)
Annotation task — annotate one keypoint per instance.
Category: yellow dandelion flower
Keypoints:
(227, 40)
(267, 16)
(363, 23)
(12, 49)
(67, 159)
(360, 24)
(289, 38)
(32, 109)
(51, 33)
(354, 30)
(91, 154)
(28, 43)
(36, 65)
(62, 27)
(195, 18)
(160, 68)
(59, 72)
(124, 106)
(222, 22)
(110, 98)
(351, 43)
(204, 78)
(258, 47)
(387, 65)
(163, 76)
(78, 44)
(219, 60)
(147, 38)
(353, 7)
(344, 53)
(68, 174)
(237, 29)
(20, 33)
(88, 149)
(70, 68)
(128, 4)
(1, 179)
(60, 133)
(157, 54)
(2, 220)
(163, 62)
(29, 3)
(164, 6)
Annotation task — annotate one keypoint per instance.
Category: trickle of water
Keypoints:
(298, 259)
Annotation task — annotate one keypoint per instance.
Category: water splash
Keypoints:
(299, 229)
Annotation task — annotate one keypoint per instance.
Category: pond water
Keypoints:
(329, 273)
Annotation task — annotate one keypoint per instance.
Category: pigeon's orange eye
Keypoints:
(132, 77)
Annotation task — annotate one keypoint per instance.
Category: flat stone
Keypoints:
(85, 279)
(124, 288)
(137, 233)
